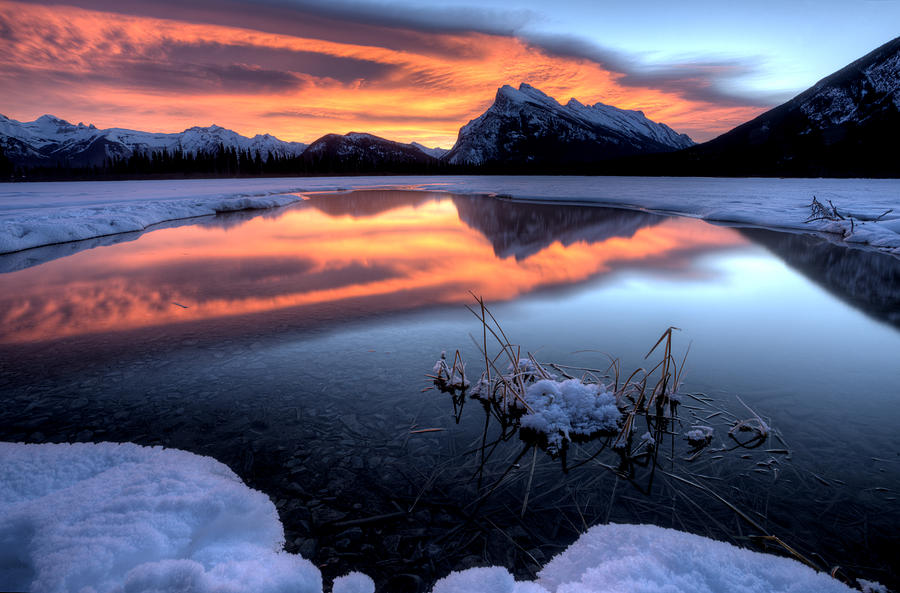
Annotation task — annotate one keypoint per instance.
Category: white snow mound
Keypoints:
(562, 408)
(354, 582)
(121, 518)
(650, 559)
(114, 517)
(646, 558)
(485, 580)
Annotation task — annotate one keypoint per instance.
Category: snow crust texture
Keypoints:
(121, 518)
(561, 409)
(74, 224)
(110, 517)
(355, 582)
(650, 559)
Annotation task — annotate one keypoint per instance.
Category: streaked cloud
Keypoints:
(303, 69)
(699, 79)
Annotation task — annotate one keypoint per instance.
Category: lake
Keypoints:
(293, 345)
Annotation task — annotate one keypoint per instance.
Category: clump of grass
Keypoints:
(647, 400)
(646, 428)
(648, 432)
(450, 377)
(755, 427)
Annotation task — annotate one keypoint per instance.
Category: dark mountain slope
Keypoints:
(847, 125)
(364, 153)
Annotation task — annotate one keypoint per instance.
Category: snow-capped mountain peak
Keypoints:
(526, 125)
(525, 94)
(47, 120)
(435, 152)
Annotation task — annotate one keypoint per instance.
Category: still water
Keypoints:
(293, 346)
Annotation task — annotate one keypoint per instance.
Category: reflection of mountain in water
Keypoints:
(360, 204)
(868, 280)
(519, 229)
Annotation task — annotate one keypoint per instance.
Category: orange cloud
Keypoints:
(165, 75)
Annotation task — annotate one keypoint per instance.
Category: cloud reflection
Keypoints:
(372, 251)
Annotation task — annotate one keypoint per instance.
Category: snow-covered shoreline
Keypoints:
(112, 517)
(39, 214)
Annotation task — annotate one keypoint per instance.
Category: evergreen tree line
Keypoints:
(7, 169)
(221, 162)
(231, 162)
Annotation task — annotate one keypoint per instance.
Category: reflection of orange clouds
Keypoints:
(428, 249)
(424, 97)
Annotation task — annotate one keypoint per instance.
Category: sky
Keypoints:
(417, 71)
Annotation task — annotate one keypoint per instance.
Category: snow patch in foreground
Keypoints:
(121, 517)
(646, 558)
(93, 518)
(650, 559)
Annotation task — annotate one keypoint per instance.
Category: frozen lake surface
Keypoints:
(867, 210)
(292, 345)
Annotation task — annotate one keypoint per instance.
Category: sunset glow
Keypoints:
(164, 74)
(418, 253)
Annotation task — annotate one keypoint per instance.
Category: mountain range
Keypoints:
(523, 127)
(49, 140)
(845, 125)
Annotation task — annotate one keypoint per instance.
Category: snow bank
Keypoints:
(37, 214)
(562, 408)
(34, 214)
(650, 559)
(92, 518)
(120, 517)
(485, 580)
(646, 558)
(47, 227)
(355, 582)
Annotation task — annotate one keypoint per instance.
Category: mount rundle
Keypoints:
(523, 126)
(526, 126)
